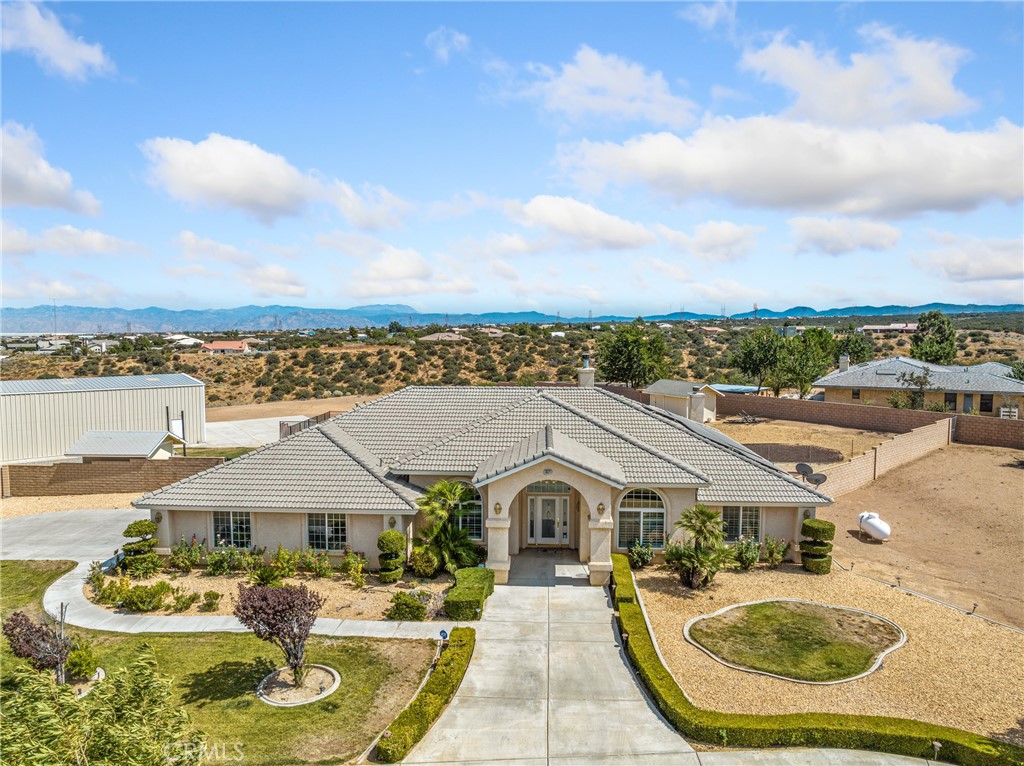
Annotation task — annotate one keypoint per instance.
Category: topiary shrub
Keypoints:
(391, 544)
(817, 564)
(139, 559)
(472, 587)
(391, 541)
(388, 576)
(818, 529)
(815, 547)
(423, 562)
(405, 606)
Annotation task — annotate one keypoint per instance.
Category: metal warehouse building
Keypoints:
(41, 418)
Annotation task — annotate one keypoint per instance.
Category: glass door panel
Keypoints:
(548, 525)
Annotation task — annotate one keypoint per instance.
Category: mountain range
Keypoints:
(89, 319)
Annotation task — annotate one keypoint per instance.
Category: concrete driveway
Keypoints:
(73, 535)
(246, 433)
(548, 683)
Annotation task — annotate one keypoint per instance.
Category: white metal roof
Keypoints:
(120, 443)
(111, 383)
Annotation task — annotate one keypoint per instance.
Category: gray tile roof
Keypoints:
(547, 442)
(319, 469)
(988, 378)
(111, 383)
(120, 443)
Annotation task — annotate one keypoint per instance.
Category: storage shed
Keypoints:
(42, 418)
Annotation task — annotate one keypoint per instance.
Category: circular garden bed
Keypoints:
(796, 640)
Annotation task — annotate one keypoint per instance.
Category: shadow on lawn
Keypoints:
(226, 680)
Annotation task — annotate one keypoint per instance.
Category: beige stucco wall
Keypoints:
(686, 406)
(676, 499)
(880, 398)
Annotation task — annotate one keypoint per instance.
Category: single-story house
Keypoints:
(225, 347)
(95, 446)
(982, 389)
(696, 401)
(881, 329)
(575, 467)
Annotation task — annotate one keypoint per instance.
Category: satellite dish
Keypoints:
(817, 479)
(803, 469)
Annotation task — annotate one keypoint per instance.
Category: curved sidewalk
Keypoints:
(82, 613)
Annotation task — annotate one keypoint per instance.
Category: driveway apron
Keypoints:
(548, 683)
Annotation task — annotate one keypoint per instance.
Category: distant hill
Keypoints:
(87, 319)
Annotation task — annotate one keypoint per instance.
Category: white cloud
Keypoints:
(675, 271)
(504, 270)
(38, 288)
(225, 172)
(444, 41)
(502, 245)
(707, 16)
(271, 280)
(774, 162)
(65, 240)
(836, 236)
(608, 87)
(587, 227)
(896, 79)
(722, 241)
(30, 28)
(389, 271)
(965, 258)
(196, 248)
(29, 180)
(725, 291)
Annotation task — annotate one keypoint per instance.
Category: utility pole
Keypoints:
(54, 316)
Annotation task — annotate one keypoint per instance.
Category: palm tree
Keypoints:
(442, 503)
(704, 526)
(699, 558)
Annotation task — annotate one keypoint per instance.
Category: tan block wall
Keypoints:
(134, 475)
(843, 414)
(993, 432)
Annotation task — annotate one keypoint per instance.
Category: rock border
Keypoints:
(326, 693)
(874, 666)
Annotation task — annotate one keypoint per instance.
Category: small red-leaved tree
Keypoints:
(45, 646)
(282, 616)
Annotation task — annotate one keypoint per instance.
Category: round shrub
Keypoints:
(390, 575)
(406, 607)
(391, 541)
(423, 562)
(81, 662)
(816, 563)
(815, 547)
(818, 529)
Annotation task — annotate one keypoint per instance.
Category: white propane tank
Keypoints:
(874, 526)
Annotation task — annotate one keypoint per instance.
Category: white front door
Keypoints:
(549, 520)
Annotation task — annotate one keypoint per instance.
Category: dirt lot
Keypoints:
(306, 408)
(851, 442)
(957, 518)
(954, 670)
(12, 507)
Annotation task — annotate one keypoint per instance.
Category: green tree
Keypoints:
(442, 503)
(918, 383)
(130, 718)
(935, 339)
(395, 327)
(802, 361)
(632, 356)
(759, 353)
(704, 553)
(853, 344)
(1017, 370)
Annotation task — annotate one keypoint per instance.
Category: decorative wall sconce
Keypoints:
(392, 522)
(497, 509)
(159, 517)
(600, 508)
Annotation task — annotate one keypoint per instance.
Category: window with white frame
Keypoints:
(232, 528)
(326, 531)
(641, 518)
(741, 521)
(470, 515)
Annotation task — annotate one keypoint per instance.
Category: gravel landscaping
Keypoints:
(14, 507)
(955, 670)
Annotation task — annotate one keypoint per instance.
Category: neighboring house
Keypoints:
(441, 336)
(95, 446)
(983, 389)
(43, 418)
(881, 329)
(577, 468)
(225, 347)
(187, 342)
(696, 401)
(101, 346)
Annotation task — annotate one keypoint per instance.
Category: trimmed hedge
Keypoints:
(816, 563)
(625, 590)
(818, 529)
(413, 722)
(815, 547)
(858, 732)
(472, 587)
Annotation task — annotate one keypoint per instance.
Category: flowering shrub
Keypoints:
(775, 550)
(640, 555)
(186, 554)
(747, 551)
(286, 561)
(317, 563)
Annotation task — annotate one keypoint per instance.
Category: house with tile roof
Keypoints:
(982, 389)
(579, 468)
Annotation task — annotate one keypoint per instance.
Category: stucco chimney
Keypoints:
(844, 363)
(586, 372)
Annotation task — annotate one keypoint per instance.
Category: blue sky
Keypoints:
(614, 158)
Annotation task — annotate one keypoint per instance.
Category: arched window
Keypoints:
(470, 515)
(641, 518)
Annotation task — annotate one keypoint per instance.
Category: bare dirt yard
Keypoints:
(847, 443)
(12, 507)
(957, 518)
(955, 669)
(306, 408)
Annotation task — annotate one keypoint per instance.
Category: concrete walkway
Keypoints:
(246, 433)
(548, 683)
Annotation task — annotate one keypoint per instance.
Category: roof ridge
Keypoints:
(753, 459)
(386, 483)
(670, 459)
(452, 435)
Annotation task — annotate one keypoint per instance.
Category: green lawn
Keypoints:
(228, 453)
(215, 677)
(795, 640)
